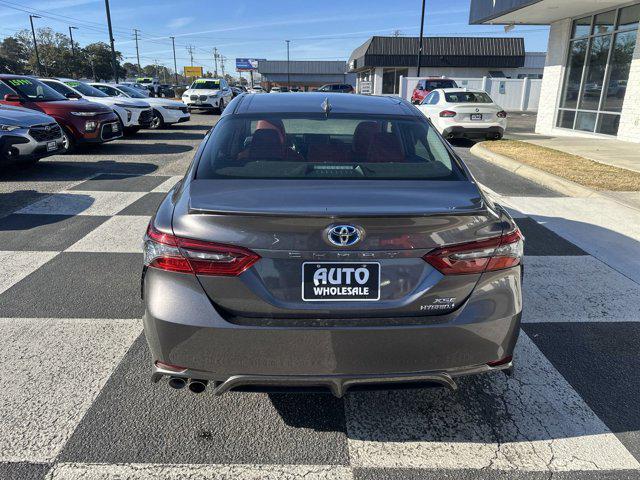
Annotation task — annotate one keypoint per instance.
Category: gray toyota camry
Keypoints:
(328, 242)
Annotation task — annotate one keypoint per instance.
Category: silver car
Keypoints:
(328, 241)
(27, 136)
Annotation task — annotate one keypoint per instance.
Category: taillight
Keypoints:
(501, 114)
(447, 114)
(476, 257)
(168, 252)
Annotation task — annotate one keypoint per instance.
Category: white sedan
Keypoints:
(164, 111)
(458, 113)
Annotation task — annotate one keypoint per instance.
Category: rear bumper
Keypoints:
(183, 328)
(472, 131)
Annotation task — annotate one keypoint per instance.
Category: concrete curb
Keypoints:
(548, 180)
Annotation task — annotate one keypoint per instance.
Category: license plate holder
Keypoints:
(341, 281)
(476, 117)
(52, 146)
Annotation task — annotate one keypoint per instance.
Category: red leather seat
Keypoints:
(362, 137)
(385, 147)
(272, 124)
(266, 144)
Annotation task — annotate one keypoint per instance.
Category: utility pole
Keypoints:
(114, 63)
(190, 50)
(175, 64)
(73, 47)
(222, 59)
(35, 44)
(135, 33)
(288, 68)
(420, 40)
(215, 62)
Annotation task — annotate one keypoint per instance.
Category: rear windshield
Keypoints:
(34, 90)
(434, 84)
(337, 147)
(467, 97)
(206, 85)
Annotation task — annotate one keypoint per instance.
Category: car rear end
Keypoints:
(331, 252)
(471, 114)
(426, 86)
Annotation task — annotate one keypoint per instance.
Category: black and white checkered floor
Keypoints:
(76, 400)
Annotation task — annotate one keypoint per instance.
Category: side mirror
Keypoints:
(12, 97)
(73, 95)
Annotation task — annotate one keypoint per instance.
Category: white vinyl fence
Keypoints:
(510, 93)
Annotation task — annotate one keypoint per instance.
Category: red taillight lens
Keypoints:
(168, 252)
(501, 114)
(476, 257)
(447, 114)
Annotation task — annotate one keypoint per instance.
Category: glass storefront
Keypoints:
(600, 54)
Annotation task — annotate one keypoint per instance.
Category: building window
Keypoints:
(391, 79)
(597, 70)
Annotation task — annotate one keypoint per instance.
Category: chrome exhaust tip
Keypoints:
(197, 386)
(177, 382)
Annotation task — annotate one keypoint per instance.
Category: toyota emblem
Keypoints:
(344, 235)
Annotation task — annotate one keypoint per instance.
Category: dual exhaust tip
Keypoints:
(194, 385)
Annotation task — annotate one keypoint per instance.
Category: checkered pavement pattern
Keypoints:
(76, 401)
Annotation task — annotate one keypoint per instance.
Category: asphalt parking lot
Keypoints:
(77, 401)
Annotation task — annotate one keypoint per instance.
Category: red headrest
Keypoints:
(266, 144)
(362, 137)
(385, 147)
(272, 124)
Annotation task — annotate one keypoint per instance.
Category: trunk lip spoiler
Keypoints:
(346, 214)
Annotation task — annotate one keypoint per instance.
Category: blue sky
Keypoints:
(324, 30)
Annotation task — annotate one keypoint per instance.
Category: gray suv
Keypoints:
(328, 241)
(27, 136)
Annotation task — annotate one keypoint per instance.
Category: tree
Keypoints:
(14, 56)
(98, 62)
(131, 70)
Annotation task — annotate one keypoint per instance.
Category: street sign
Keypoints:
(192, 71)
(247, 64)
(365, 87)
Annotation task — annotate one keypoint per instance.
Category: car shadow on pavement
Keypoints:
(62, 171)
(167, 135)
(132, 149)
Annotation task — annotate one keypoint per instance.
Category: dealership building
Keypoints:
(591, 83)
(306, 75)
(380, 61)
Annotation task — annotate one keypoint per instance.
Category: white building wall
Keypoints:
(553, 74)
(630, 120)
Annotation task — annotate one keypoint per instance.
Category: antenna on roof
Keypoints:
(326, 106)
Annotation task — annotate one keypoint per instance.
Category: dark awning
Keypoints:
(439, 52)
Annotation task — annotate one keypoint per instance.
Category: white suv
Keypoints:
(208, 94)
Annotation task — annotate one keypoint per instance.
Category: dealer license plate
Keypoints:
(52, 146)
(476, 116)
(340, 282)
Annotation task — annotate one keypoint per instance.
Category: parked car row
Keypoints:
(44, 116)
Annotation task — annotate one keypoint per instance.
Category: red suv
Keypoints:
(425, 86)
(81, 121)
